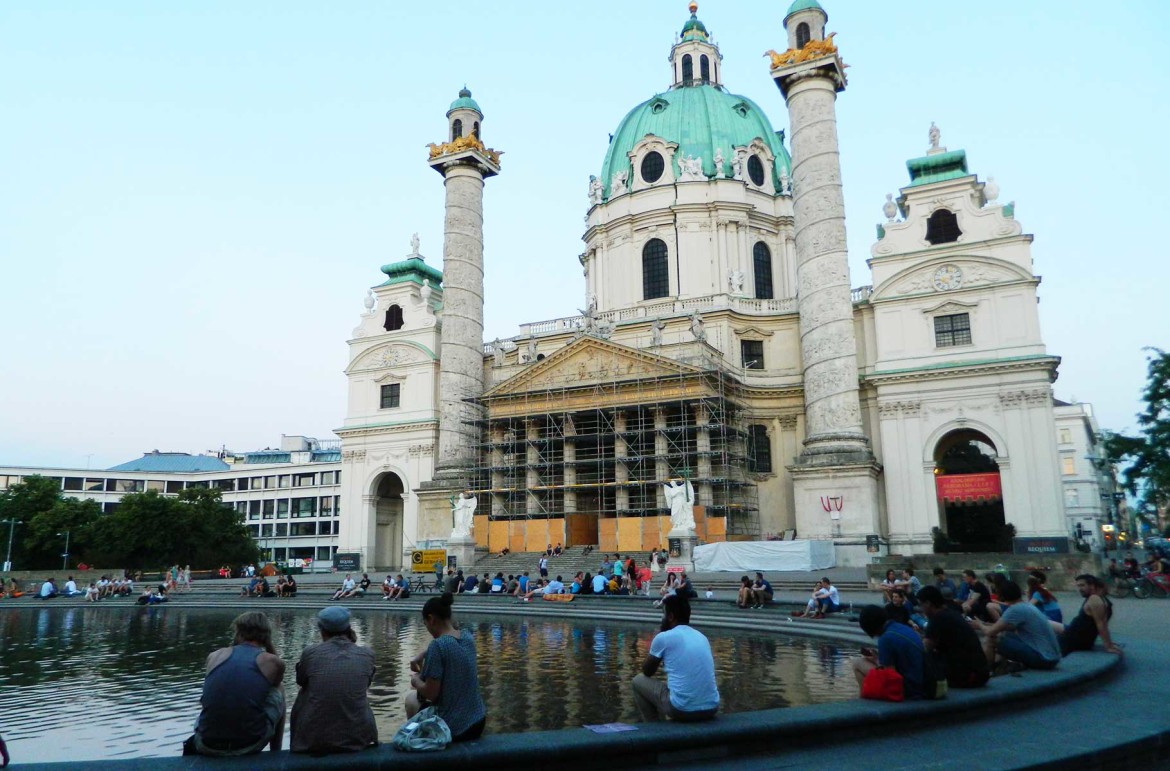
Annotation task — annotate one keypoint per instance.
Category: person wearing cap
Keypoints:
(332, 712)
(243, 699)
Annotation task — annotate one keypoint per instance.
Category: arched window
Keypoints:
(762, 264)
(456, 129)
(942, 227)
(655, 273)
(393, 318)
(688, 70)
(475, 129)
(705, 68)
(802, 35)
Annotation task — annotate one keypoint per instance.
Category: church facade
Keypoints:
(722, 343)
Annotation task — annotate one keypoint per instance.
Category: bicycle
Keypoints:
(1121, 586)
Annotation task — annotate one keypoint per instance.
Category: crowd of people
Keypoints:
(963, 634)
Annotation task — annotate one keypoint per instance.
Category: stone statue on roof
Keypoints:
(498, 352)
(935, 135)
(698, 329)
(414, 245)
(594, 189)
(656, 328)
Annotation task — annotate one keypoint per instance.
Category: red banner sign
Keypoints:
(968, 488)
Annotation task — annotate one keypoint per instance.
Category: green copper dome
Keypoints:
(464, 102)
(805, 5)
(700, 119)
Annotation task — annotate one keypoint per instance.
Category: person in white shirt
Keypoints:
(388, 586)
(689, 693)
(347, 588)
(71, 589)
(828, 601)
(49, 589)
(91, 593)
(556, 586)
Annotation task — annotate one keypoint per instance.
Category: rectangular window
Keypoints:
(303, 528)
(304, 480)
(283, 480)
(269, 507)
(73, 483)
(327, 506)
(1066, 436)
(282, 508)
(157, 485)
(269, 483)
(94, 485)
(952, 330)
(752, 353)
(390, 395)
(266, 531)
(174, 487)
(125, 485)
(1068, 466)
(304, 507)
(254, 507)
(326, 478)
(324, 554)
(281, 529)
(243, 483)
(224, 484)
(199, 485)
(759, 449)
(255, 530)
(110, 508)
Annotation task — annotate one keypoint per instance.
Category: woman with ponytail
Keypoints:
(444, 675)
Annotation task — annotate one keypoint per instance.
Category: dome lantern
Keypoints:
(694, 59)
(464, 116)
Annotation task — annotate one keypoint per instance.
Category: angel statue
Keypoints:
(463, 514)
(680, 497)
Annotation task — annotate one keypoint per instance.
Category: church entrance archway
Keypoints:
(970, 496)
(388, 506)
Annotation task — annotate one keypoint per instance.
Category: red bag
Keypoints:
(883, 684)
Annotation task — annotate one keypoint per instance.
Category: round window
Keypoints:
(756, 170)
(652, 167)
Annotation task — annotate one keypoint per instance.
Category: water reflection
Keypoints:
(128, 680)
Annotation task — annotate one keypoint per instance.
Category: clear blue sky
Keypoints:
(195, 196)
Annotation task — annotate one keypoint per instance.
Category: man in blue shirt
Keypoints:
(899, 647)
(522, 584)
(470, 583)
(599, 584)
(761, 591)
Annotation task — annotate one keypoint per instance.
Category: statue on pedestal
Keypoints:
(656, 328)
(463, 514)
(680, 497)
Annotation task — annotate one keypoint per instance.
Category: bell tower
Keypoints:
(694, 59)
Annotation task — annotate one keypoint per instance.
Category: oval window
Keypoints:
(755, 170)
(652, 167)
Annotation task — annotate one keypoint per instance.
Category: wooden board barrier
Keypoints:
(481, 530)
(629, 534)
(497, 535)
(516, 535)
(607, 534)
(536, 535)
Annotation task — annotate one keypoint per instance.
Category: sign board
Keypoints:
(675, 569)
(873, 543)
(1040, 545)
(675, 546)
(968, 488)
(423, 560)
(349, 562)
(452, 562)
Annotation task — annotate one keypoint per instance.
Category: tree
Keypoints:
(44, 513)
(151, 531)
(1146, 455)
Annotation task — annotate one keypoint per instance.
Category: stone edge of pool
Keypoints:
(730, 736)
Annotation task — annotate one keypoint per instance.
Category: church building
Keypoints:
(722, 343)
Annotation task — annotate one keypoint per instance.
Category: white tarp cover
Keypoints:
(766, 556)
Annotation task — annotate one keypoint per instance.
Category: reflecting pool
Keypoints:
(117, 681)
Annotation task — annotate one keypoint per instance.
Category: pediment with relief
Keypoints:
(588, 361)
(392, 355)
(950, 274)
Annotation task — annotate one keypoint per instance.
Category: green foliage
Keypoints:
(150, 530)
(1146, 475)
(37, 504)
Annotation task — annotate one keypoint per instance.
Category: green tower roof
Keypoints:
(412, 269)
(700, 119)
(694, 29)
(937, 167)
(464, 102)
(805, 5)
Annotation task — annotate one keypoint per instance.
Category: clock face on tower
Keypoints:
(948, 277)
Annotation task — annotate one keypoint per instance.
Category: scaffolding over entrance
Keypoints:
(577, 449)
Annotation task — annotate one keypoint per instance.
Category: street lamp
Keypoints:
(12, 523)
(65, 556)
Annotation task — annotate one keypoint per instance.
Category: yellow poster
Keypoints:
(423, 560)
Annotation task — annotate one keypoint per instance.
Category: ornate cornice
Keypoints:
(370, 430)
(892, 409)
(960, 369)
(1025, 397)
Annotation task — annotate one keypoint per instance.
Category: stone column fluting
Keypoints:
(827, 341)
(461, 337)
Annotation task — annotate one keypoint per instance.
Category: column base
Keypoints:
(838, 500)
